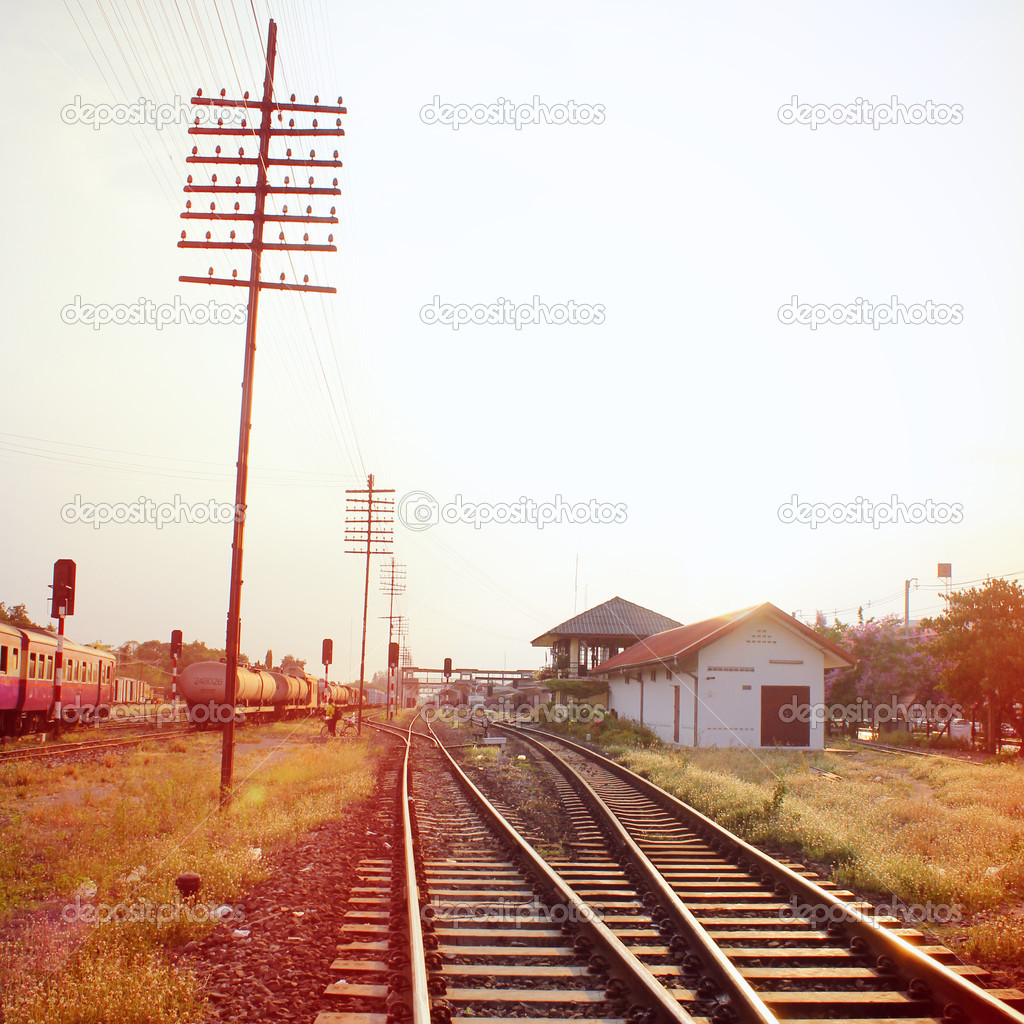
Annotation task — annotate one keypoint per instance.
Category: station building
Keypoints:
(751, 678)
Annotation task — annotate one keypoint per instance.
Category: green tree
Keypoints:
(17, 616)
(980, 638)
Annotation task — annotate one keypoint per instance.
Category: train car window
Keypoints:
(31, 666)
(74, 671)
(49, 666)
(3, 659)
(14, 659)
(88, 668)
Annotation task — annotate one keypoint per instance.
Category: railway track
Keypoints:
(656, 915)
(59, 750)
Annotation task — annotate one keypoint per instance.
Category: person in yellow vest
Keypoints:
(331, 716)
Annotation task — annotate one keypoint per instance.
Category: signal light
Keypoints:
(447, 668)
(392, 656)
(176, 643)
(328, 652)
(63, 600)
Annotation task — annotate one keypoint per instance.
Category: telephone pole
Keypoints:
(265, 162)
(392, 582)
(368, 526)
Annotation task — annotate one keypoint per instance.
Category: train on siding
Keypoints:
(259, 693)
(27, 684)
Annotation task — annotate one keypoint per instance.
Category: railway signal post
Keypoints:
(326, 657)
(264, 162)
(175, 655)
(62, 604)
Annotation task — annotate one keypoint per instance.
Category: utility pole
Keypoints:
(368, 526)
(262, 163)
(906, 604)
(392, 582)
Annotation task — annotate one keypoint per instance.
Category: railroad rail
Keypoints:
(656, 915)
(57, 750)
(821, 956)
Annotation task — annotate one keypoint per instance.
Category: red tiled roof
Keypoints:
(677, 643)
(614, 618)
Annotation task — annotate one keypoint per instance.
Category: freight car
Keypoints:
(27, 684)
(258, 694)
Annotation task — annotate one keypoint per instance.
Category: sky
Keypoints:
(726, 178)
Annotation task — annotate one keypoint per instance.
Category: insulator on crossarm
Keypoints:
(188, 204)
(211, 271)
(335, 155)
(284, 209)
(208, 236)
(281, 236)
(330, 238)
(316, 124)
(183, 234)
(245, 95)
(238, 181)
(311, 180)
(337, 122)
(244, 122)
(195, 150)
(309, 210)
(234, 273)
(305, 278)
(241, 152)
(288, 153)
(199, 92)
(287, 179)
(292, 100)
(339, 101)
(282, 276)
(213, 206)
(217, 151)
(291, 122)
(305, 237)
(335, 183)
(232, 236)
(220, 122)
(214, 179)
(334, 210)
(189, 179)
(316, 99)
(236, 206)
(312, 154)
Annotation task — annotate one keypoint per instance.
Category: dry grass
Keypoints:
(119, 834)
